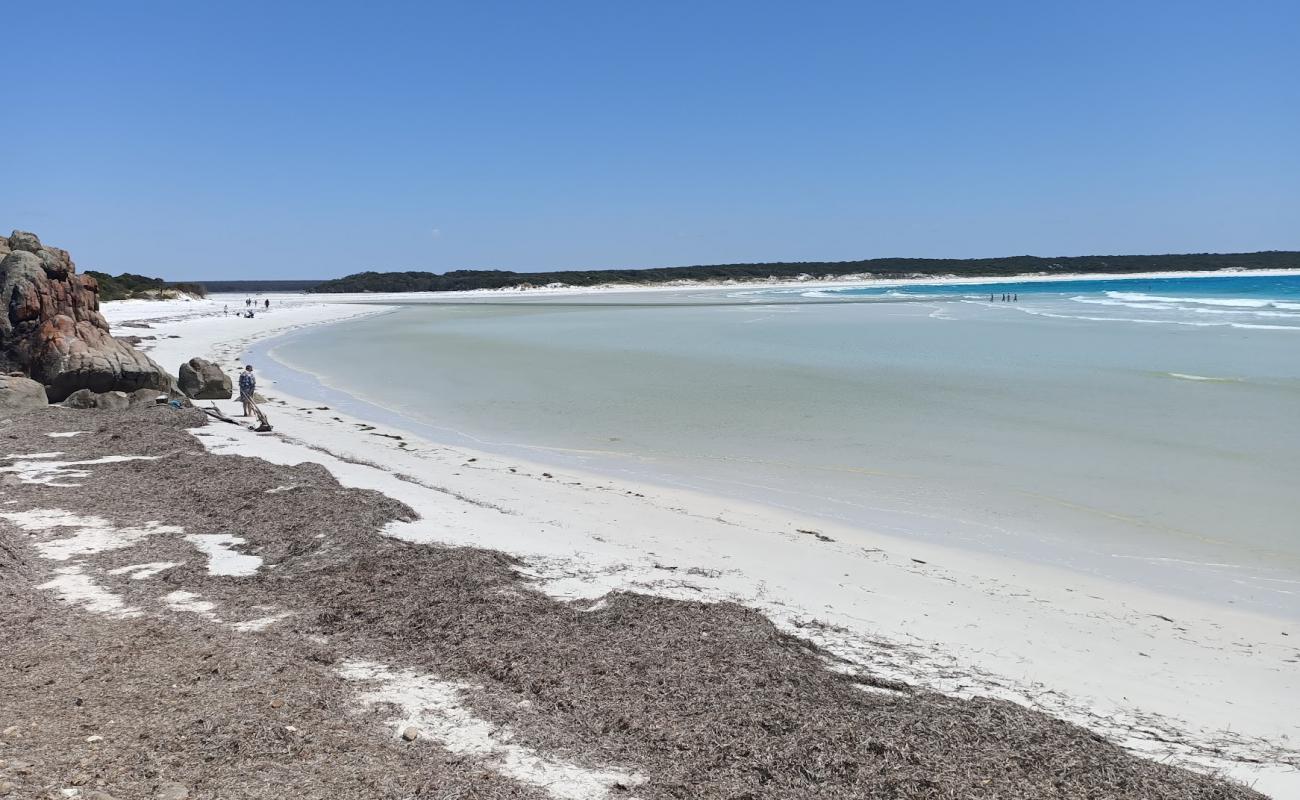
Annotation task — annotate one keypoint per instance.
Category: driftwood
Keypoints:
(263, 426)
(215, 413)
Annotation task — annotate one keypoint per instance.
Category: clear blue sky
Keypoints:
(235, 140)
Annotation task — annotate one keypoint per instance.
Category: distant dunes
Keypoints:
(460, 280)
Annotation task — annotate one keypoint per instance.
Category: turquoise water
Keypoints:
(1247, 302)
(1141, 430)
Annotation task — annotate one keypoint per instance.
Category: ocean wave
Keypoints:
(1241, 308)
(1252, 311)
(857, 293)
(1257, 327)
(1103, 301)
(1154, 321)
(1230, 302)
(1187, 377)
(1040, 313)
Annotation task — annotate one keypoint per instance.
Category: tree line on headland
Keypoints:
(129, 286)
(460, 280)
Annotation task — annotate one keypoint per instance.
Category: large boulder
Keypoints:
(51, 328)
(107, 401)
(20, 394)
(203, 380)
(147, 397)
(82, 398)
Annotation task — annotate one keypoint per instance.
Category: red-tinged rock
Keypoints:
(51, 328)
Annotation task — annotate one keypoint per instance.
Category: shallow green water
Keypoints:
(1043, 437)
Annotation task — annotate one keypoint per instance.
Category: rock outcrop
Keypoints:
(51, 328)
(113, 401)
(109, 401)
(203, 380)
(20, 394)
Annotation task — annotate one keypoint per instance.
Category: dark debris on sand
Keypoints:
(703, 700)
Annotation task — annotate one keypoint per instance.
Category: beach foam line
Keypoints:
(1232, 302)
(1206, 378)
(1188, 323)
(1102, 301)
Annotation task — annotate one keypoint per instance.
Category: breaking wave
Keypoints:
(1231, 302)
(1238, 312)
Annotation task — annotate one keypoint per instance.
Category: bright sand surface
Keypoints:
(1181, 679)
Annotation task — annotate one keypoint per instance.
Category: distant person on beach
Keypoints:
(247, 386)
(268, 303)
(225, 310)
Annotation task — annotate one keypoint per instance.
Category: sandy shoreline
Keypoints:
(182, 624)
(848, 280)
(234, 299)
(1114, 658)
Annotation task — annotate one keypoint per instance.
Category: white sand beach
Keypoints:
(1184, 681)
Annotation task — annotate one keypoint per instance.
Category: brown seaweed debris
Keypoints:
(703, 700)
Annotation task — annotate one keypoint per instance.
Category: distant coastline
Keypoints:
(868, 269)
(850, 281)
(264, 286)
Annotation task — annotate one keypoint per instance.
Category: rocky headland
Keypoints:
(52, 332)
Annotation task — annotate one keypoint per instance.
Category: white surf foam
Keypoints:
(1186, 377)
(1231, 302)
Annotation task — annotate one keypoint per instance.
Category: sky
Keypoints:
(238, 140)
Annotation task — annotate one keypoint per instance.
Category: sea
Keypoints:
(1144, 430)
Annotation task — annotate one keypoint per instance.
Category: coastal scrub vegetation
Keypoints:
(459, 280)
(261, 285)
(129, 286)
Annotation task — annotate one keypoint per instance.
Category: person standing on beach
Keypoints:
(268, 303)
(247, 386)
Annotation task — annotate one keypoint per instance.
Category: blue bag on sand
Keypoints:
(175, 404)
